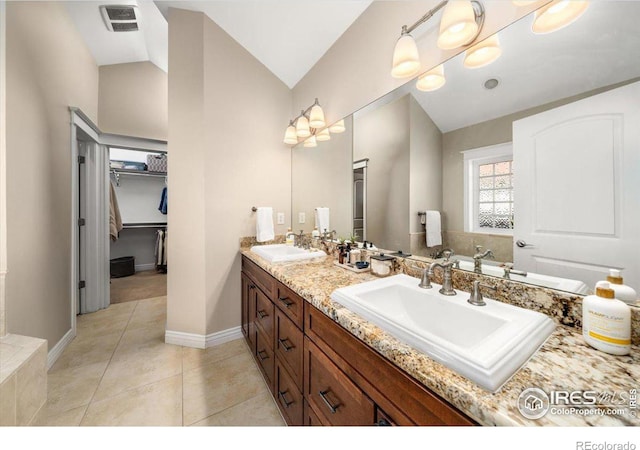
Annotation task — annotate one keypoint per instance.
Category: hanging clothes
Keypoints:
(161, 251)
(115, 220)
(163, 201)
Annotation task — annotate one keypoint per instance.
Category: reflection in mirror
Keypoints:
(537, 147)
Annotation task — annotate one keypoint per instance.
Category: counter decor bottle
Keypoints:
(290, 237)
(606, 321)
(623, 292)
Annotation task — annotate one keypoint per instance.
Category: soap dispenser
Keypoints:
(606, 321)
(623, 292)
(290, 237)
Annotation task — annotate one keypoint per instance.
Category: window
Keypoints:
(489, 190)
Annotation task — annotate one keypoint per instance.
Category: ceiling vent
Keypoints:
(120, 17)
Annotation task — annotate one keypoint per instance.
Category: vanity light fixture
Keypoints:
(524, 2)
(460, 25)
(323, 135)
(557, 14)
(337, 127)
(431, 80)
(290, 136)
(310, 126)
(310, 142)
(483, 53)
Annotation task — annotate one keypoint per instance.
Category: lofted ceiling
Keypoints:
(287, 36)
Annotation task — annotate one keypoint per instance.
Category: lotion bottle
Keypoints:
(290, 237)
(623, 292)
(606, 321)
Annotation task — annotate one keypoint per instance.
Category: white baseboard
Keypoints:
(143, 267)
(200, 340)
(57, 349)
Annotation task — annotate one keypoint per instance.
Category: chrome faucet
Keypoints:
(476, 296)
(447, 283)
(508, 270)
(300, 239)
(479, 256)
(425, 281)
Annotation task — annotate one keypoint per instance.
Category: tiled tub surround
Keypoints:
(564, 362)
(23, 378)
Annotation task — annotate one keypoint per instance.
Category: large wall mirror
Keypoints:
(535, 157)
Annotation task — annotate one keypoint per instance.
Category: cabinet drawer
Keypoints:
(261, 278)
(288, 396)
(289, 346)
(265, 358)
(290, 303)
(331, 394)
(264, 316)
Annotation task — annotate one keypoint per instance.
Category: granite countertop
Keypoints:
(564, 363)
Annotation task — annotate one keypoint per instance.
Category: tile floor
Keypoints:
(119, 371)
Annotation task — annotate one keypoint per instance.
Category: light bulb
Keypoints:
(458, 26)
(431, 80)
(558, 14)
(406, 61)
(323, 135)
(310, 142)
(483, 53)
(290, 136)
(316, 116)
(302, 127)
(337, 127)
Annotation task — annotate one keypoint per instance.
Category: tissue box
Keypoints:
(157, 163)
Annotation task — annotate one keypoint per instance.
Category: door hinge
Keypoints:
(82, 284)
(81, 159)
(81, 222)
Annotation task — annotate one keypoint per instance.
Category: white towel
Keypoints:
(434, 229)
(322, 219)
(264, 224)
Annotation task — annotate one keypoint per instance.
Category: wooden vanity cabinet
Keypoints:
(320, 374)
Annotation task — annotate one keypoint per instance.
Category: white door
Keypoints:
(577, 188)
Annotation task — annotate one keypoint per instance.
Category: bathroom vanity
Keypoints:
(326, 365)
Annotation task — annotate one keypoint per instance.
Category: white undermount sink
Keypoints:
(486, 344)
(281, 253)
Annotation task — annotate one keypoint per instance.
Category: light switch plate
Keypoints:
(280, 218)
(301, 217)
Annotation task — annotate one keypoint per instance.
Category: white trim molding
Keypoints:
(200, 340)
(3, 166)
(57, 349)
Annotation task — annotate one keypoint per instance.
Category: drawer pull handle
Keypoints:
(262, 354)
(332, 408)
(252, 286)
(286, 301)
(262, 314)
(383, 423)
(283, 342)
(284, 400)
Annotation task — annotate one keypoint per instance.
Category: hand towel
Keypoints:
(434, 229)
(115, 220)
(264, 224)
(322, 219)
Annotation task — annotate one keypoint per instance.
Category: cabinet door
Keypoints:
(330, 392)
(248, 311)
(265, 358)
(288, 395)
(264, 315)
(289, 346)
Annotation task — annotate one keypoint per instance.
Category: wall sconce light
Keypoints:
(431, 80)
(311, 126)
(558, 14)
(460, 25)
(483, 53)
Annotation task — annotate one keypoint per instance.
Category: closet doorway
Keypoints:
(138, 224)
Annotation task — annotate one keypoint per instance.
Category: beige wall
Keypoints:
(227, 114)
(323, 176)
(425, 177)
(133, 100)
(357, 69)
(382, 136)
(48, 70)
